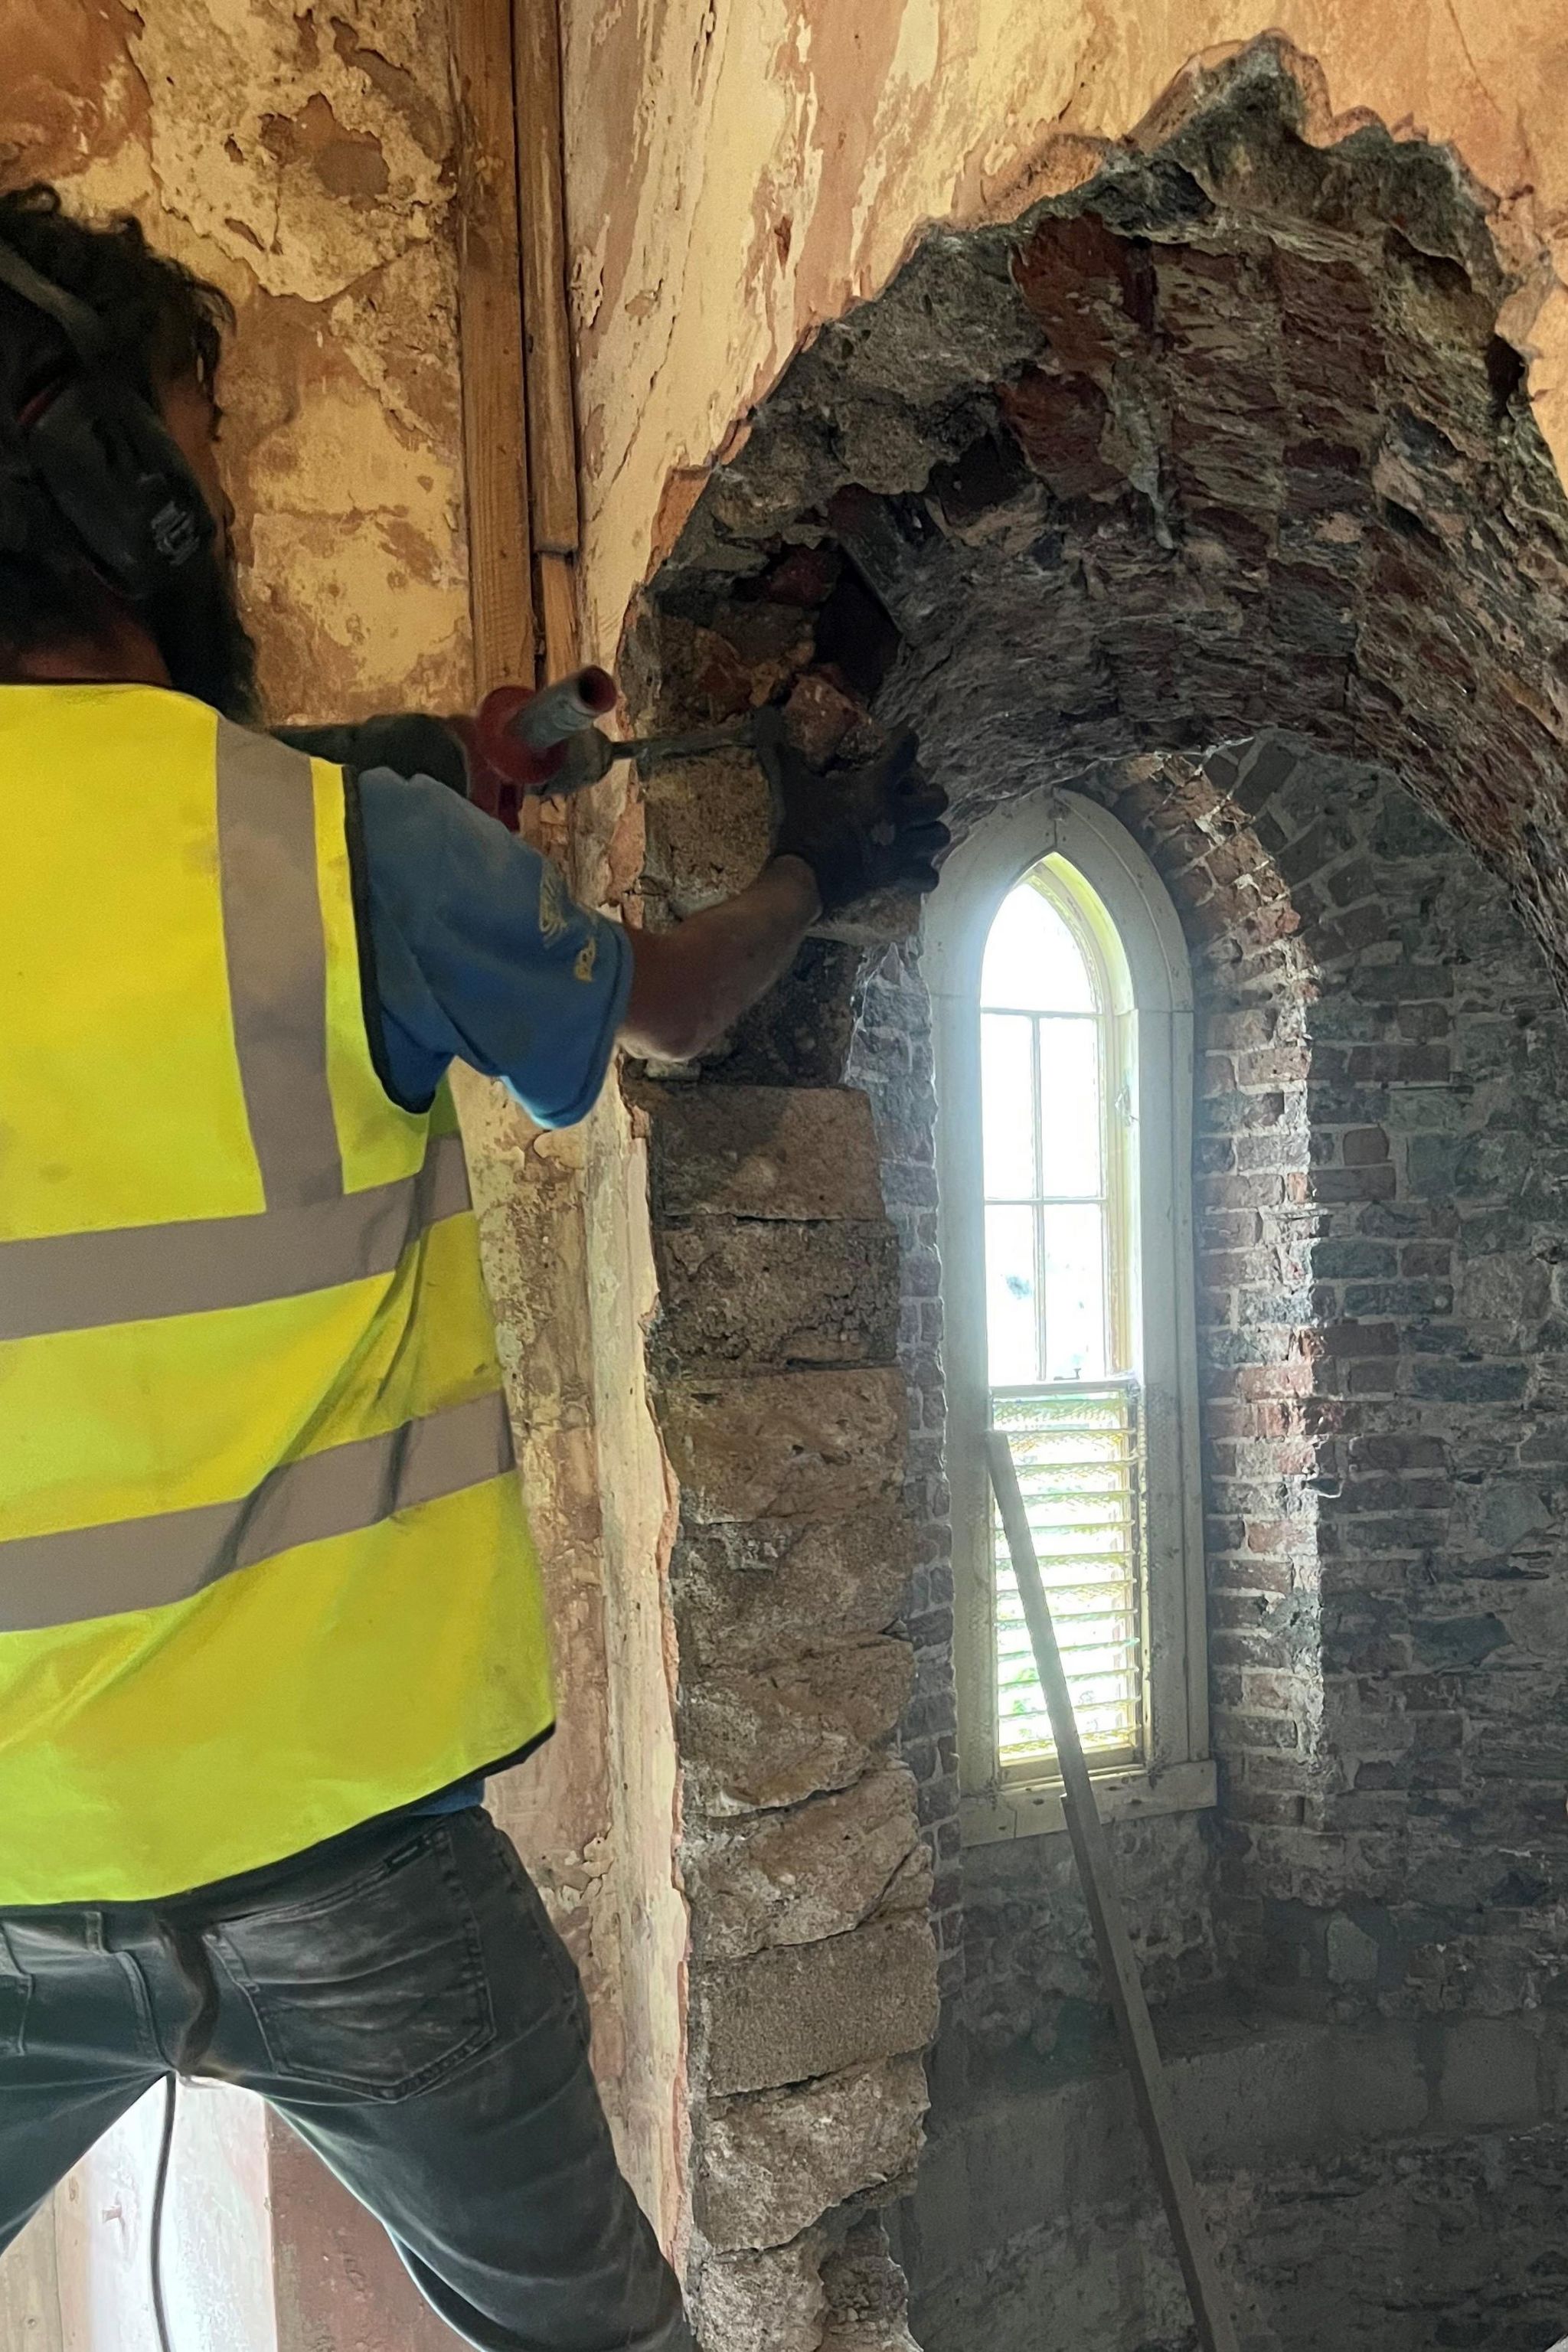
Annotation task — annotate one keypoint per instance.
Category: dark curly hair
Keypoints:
(163, 323)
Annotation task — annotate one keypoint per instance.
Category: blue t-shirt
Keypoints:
(478, 955)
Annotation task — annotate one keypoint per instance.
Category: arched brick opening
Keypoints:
(1224, 443)
(1379, 1166)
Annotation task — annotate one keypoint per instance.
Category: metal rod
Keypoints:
(1151, 2092)
(651, 751)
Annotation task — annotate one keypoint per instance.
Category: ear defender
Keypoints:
(100, 452)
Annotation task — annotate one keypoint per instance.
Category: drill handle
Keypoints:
(558, 712)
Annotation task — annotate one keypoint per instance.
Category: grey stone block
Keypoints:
(774, 1152)
(1377, 2084)
(771, 1734)
(1353, 1956)
(1490, 2077)
(752, 1296)
(773, 2161)
(808, 1871)
(787, 1445)
(768, 2302)
(749, 1593)
(785, 2016)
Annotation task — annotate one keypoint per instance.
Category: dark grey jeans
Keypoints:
(407, 2005)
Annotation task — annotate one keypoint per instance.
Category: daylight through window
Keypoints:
(1061, 997)
(1056, 1104)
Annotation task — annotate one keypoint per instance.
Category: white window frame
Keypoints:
(1177, 1774)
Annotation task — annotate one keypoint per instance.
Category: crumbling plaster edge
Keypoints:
(640, 1512)
(1533, 316)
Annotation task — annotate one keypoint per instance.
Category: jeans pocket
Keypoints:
(548, 1957)
(15, 1993)
(376, 1986)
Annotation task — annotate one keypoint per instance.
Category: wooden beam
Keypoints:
(541, 204)
(489, 312)
(557, 592)
(553, 496)
(1151, 2092)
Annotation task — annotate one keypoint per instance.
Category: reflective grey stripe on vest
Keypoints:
(277, 959)
(75, 1282)
(130, 1564)
(312, 1235)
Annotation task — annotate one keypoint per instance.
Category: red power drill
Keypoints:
(520, 743)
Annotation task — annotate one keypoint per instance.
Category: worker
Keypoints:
(268, 1610)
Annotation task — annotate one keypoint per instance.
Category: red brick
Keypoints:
(1252, 1575)
(1270, 1536)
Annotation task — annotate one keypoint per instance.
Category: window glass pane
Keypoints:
(1075, 1295)
(1007, 1102)
(1033, 964)
(1011, 1322)
(1070, 1107)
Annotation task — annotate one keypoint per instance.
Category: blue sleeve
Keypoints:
(481, 957)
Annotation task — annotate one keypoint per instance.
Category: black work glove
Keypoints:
(876, 828)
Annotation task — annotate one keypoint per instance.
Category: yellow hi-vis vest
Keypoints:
(264, 1569)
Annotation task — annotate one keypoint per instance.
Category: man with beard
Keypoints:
(268, 1609)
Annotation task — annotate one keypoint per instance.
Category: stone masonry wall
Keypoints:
(1224, 441)
(891, 1059)
(1394, 2191)
(811, 1967)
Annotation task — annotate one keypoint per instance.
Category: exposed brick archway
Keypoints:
(1226, 439)
(1223, 443)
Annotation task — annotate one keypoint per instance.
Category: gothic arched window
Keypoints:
(1064, 1028)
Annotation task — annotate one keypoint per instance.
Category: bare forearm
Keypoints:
(692, 984)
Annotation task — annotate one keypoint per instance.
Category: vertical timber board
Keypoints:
(541, 202)
(558, 612)
(495, 430)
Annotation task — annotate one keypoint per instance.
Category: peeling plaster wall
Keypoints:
(739, 174)
(301, 158)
